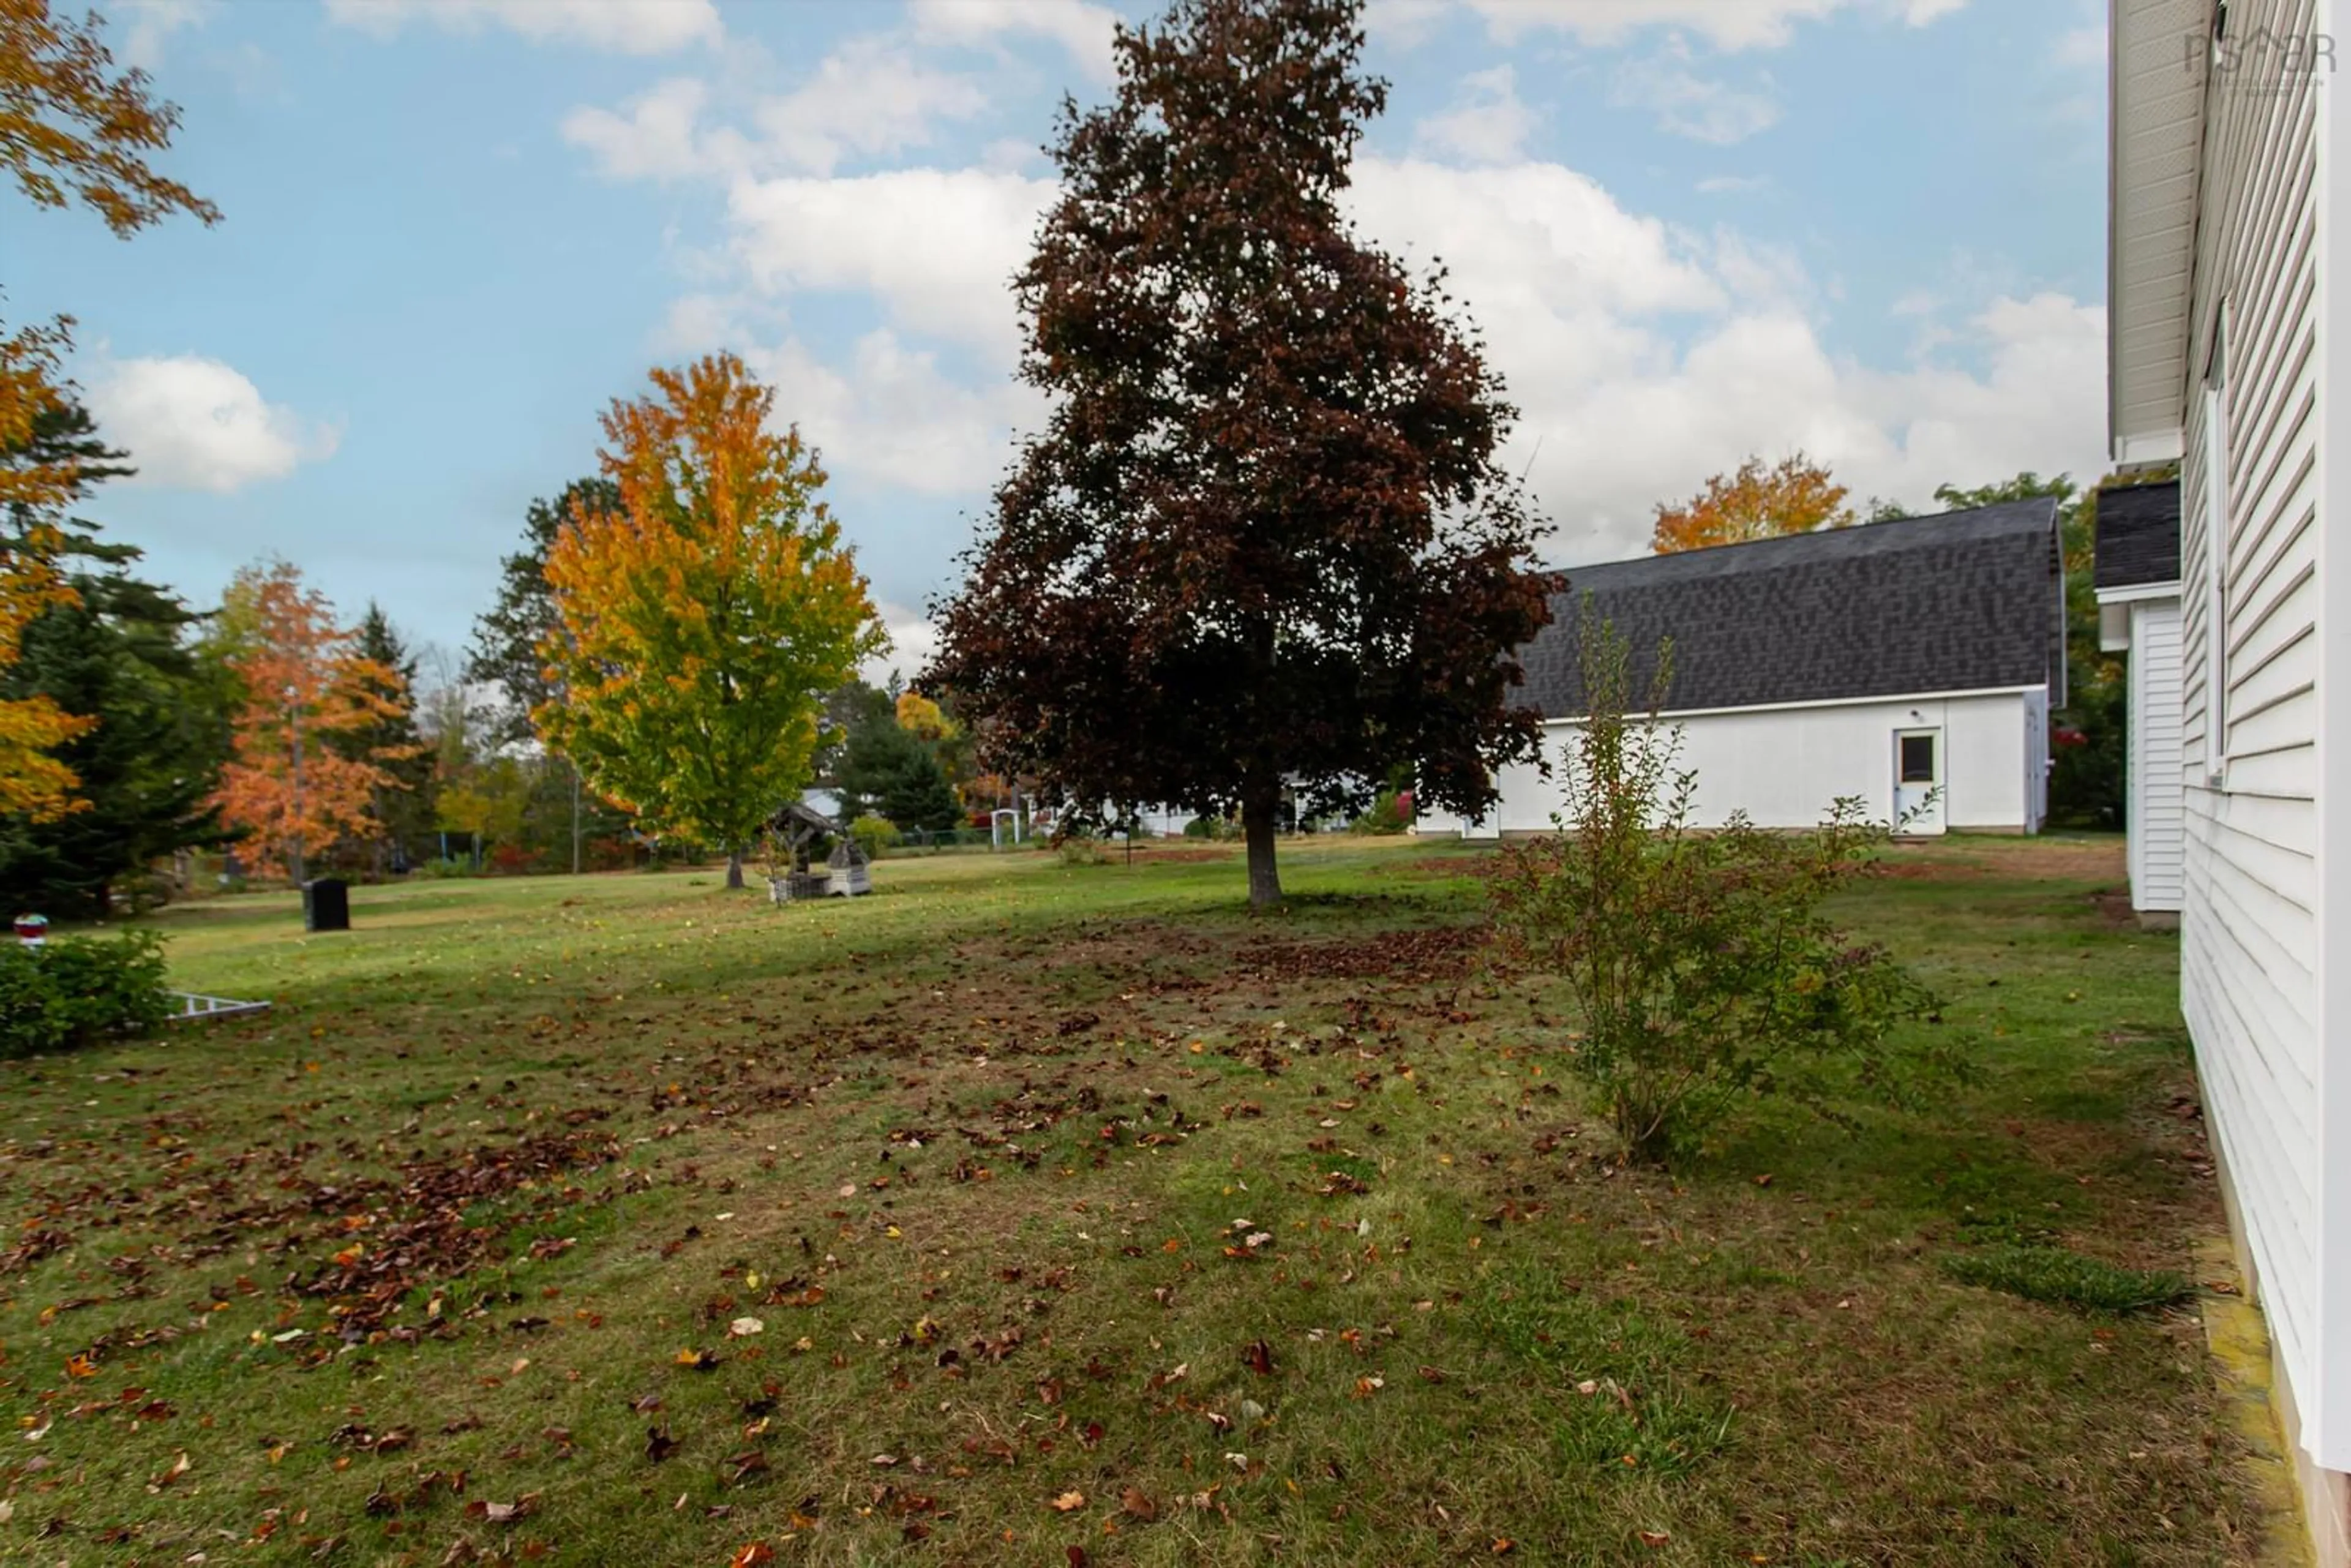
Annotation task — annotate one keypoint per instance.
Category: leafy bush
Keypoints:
(1213, 827)
(875, 834)
(1390, 813)
(78, 990)
(2066, 1278)
(1078, 846)
(1702, 965)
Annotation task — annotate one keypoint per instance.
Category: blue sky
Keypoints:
(454, 230)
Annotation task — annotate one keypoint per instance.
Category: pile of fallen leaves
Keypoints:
(1415, 955)
(417, 1233)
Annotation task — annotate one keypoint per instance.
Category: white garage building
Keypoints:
(1910, 664)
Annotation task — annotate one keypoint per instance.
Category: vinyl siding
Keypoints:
(2036, 758)
(2249, 944)
(1784, 767)
(2158, 824)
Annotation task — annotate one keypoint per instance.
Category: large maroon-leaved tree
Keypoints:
(1263, 541)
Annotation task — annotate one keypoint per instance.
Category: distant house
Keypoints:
(1911, 664)
(2230, 351)
(2137, 577)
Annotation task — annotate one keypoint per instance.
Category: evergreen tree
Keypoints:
(507, 635)
(119, 655)
(886, 772)
(505, 655)
(848, 709)
(403, 810)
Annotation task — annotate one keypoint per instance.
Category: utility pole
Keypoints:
(294, 719)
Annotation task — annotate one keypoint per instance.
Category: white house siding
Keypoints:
(2250, 933)
(2036, 758)
(1784, 766)
(2157, 808)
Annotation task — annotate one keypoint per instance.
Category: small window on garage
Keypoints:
(1917, 759)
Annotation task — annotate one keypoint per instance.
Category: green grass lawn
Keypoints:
(1032, 1214)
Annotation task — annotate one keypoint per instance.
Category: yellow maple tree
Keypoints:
(1795, 495)
(700, 624)
(921, 717)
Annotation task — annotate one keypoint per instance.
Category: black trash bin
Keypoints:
(327, 905)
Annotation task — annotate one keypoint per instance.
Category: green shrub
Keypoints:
(875, 834)
(1078, 844)
(1387, 815)
(2066, 1278)
(78, 990)
(1211, 827)
(1702, 967)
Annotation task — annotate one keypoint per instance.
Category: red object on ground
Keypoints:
(32, 930)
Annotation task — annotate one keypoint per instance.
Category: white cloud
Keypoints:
(147, 23)
(2083, 47)
(619, 26)
(195, 424)
(937, 248)
(1688, 104)
(699, 323)
(1764, 384)
(1733, 184)
(654, 141)
(1725, 24)
(1757, 273)
(1643, 357)
(1588, 311)
(1488, 123)
(891, 416)
(912, 641)
(867, 98)
(1083, 29)
(1531, 239)
(1404, 24)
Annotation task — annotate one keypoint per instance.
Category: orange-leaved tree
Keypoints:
(1795, 495)
(303, 680)
(701, 623)
(32, 783)
(72, 128)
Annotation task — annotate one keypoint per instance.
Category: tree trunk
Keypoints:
(1260, 812)
(735, 869)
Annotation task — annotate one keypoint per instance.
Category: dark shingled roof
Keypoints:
(1961, 602)
(2139, 535)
